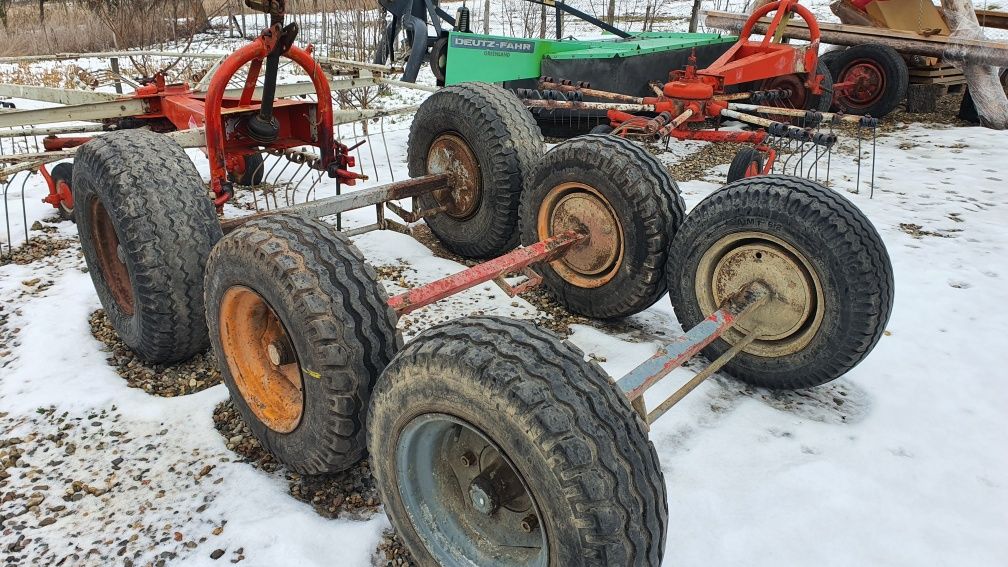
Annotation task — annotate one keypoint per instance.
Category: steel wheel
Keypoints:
(451, 154)
(464, 497)
(262, 359)
(579, 207)
(869, 84)
(111, 262)
(794, 313)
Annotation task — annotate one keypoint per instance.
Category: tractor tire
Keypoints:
(827, 58)
(146, 226)
(579, 483)
(884, 72)
(253, 173)
(62, 176)
(439, 60)
(748, 162)
(635, 209)
(486, 137)
(330, 334)
(830, 275)
(601, 129)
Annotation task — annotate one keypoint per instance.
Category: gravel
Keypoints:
(163, 380)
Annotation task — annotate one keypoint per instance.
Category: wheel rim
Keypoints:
(111, 260)
(753, 170)
(464, 497)
(869, 83)
(794, 313)
(449, 153)
(795, 84)
(262, 359)
(582, 208)
(66, 196)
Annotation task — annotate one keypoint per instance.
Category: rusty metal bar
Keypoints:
(590, 92)
(853, 118)
(574, 105)
(514, 261)
(675, 354)
(353, 200)
(92, 112)
(51, 131)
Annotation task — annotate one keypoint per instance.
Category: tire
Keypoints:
(801, 97)
(633, 195)
(827, 58)
(503, 144)
(335, 325)
(573, 438)
(824, 101)
(146, 226)
(884, 63)
(601, 129)
(252, 174)
(62, 176)
(439, 60)
(847, 267)
(741, 164)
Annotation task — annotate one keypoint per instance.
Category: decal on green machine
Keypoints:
(490, 44)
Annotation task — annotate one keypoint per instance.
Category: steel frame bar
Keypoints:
(514, 261)
(675, 354)
(89, 112)
(853, 118)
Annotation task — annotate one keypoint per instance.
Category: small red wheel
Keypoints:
(62, 176)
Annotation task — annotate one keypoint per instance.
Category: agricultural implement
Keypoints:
(492, 441)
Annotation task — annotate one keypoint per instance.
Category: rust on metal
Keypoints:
(509, 263)
(111, 260)
(590, 92)
(450, 154)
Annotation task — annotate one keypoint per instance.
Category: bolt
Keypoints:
(468, 459)
(529, 523)
(273, 353)
(121, 254)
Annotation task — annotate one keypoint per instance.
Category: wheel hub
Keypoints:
(110, 256)
(449, 153)
(261, 359)
(583, 209)
(869, 82)
(792, 315)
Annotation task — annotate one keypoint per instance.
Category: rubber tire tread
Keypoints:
(255, 170)
(63, 171)
(507, 144)
(337, 315)
(655, 206)
(535, 394)
(892, 64)
(834, 235)
(166, 225)
(740, 163)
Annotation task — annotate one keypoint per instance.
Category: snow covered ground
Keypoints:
(901, 462)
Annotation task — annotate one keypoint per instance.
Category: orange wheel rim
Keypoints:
(262, 359)
(111, 261)
(575, 206)
(753, 170)
(450, 153)
(65, 194)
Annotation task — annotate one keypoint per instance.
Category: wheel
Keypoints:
(967, 108)
(253, 172)
(483, 135)
(62, 177)
(801, 96)
(630, 207)
(146, 227)
(879, 78)
(302, 329)
(828, 57)
(748, 162)
(601, 129)
(830, 275)
(502, 446)
(439, 59)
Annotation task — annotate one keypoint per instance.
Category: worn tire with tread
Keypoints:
(582, 449)
(647, 202)
(337, 316)
(844, 248)
(745, 157)
(507, 144)
(892, 65)
(150, 191)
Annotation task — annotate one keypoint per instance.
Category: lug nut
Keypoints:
(468, 459)
(529, 523)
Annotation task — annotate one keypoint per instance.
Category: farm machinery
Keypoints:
(491, 440)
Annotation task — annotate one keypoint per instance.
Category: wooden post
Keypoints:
(486, 17)
(115, 70)
(984, 84)
(694, 19)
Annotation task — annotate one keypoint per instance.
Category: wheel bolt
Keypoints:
(273, 352)
(468, 459)
(529, 523)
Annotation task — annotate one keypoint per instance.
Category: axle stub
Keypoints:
(560, 466)
(301, 329)
(627, 204)
(482, 136)
(830, 279)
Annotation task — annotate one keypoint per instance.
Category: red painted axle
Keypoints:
(543, 251)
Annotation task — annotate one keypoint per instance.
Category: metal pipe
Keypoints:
(853, 118)
(513, 261)
(574, 105)
(590, 92)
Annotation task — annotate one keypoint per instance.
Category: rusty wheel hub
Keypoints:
(261, 358)
(793, 83)
(794, 312)
(868, 82)
(111, 260)
(449, 153)
(578, 207)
